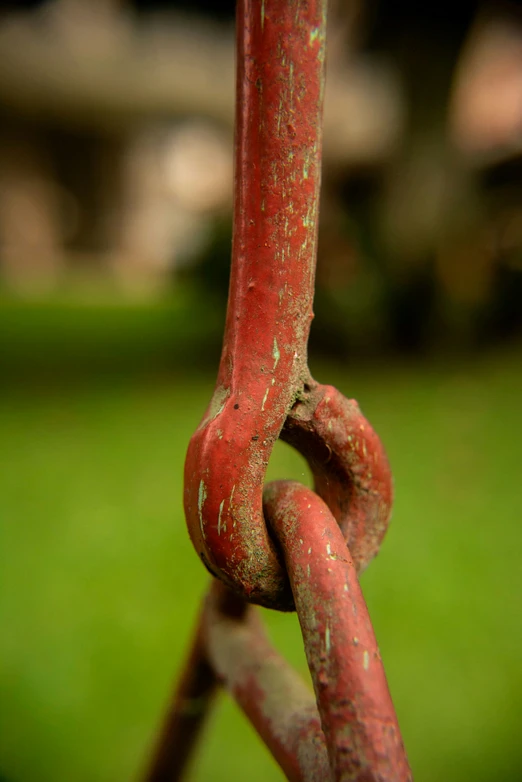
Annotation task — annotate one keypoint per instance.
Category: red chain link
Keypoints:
(289, 547)
(264, 388)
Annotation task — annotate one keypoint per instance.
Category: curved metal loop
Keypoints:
(357, 714)
(263, 381)
(349, 464)
(224, 509)
(264, 391)
(350, 730)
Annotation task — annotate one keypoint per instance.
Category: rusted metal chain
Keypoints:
(355, 735)
(263, 378)
(357, 714)
(284, 546)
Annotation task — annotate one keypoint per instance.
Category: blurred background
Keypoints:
(116, 144)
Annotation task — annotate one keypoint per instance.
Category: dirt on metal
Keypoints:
(264, 386)
(284, 546)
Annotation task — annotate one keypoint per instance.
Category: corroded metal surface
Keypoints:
(357, 714)
(231, 647)
(263, 363)
(291, 546)
(349, 464)
(350, 732)
(263, 373)
(275, 699)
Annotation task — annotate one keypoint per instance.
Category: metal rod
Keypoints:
(186, 715)
(280, 84)
(278, 704)
(231, 647)
(357, 713)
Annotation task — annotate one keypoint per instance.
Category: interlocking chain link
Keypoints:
(284, 546)
(264, 389)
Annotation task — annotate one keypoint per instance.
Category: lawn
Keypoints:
(100, 584)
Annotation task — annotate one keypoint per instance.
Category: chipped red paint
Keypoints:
(351, 733)
(289, 547)
(279, 705)
(357, 714)
(349, 464)
(263, 383)
(230, 647)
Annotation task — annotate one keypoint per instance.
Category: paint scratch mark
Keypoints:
(265, 398)
(216, 407)
(276, 354)
(202, 496)
(230, 503)
(219, 517)
(366, 660)
(327, 640)
(314, 34)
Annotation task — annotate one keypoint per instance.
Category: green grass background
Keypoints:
(100, 585)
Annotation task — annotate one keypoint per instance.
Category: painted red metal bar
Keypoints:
(355, 735)
(357, 713)
(272, 695)
(230, 647)
(263, 378)
(297, 548)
